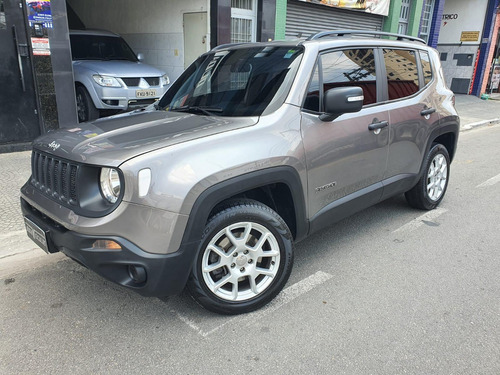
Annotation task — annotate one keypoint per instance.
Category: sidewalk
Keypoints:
(16, 247)
(475, 112)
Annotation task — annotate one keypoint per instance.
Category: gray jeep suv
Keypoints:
(253, 148)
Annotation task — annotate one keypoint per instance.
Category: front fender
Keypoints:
(219, 192)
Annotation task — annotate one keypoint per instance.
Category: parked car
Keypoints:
(109, 77)
(255, 147)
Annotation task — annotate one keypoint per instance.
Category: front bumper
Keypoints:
(124, 97)
(161, 274)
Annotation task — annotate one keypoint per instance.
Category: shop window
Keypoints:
(426, 66)
(404, 17)
(425, 27)
(402, 73)
(243, 21)
(3, 24)
(344, 68)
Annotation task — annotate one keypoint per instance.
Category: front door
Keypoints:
(345, 159)
(195, 36)
(19, 121)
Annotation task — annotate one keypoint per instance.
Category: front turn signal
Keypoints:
(106, 245)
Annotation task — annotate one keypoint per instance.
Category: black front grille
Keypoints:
(54, 177)
(153, 81)
(134, 81)
(131, 81)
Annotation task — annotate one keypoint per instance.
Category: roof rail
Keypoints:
(341, 33)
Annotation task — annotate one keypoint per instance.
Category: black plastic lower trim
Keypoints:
(166, 274)
(346, 206)
(226, 189)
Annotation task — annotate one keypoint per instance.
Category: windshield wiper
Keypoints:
(209, 111)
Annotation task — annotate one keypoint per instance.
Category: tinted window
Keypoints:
(313, 94)
(97, 47)
(351, 68)
(426, 66)
(402, 73)
(240, 82)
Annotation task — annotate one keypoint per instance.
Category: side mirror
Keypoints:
(342, 100)
(140, 56)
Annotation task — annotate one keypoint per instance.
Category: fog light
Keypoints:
(106, 245)
(137, 273)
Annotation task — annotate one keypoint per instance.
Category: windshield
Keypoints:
(238, 82)
(99, 47)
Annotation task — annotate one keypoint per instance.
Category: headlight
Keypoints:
(110, 184)
(106, 81)
(164, 80)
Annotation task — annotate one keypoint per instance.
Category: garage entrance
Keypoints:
(19, 122)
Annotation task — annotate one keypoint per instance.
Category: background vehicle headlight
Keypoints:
(110, 184)
(106, 81)
(165, 80)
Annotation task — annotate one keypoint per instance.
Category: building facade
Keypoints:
(37, 67)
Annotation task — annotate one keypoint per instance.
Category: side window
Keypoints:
(402, 73)
(313, 94)
(354, 67)
(426, 66)
(340, 69)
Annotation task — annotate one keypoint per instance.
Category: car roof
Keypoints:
(93, 32)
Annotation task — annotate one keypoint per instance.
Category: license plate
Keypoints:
(148, 93)
(37, 234)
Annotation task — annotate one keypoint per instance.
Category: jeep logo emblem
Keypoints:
(54, 146)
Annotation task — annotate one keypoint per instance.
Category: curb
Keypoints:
(478, 124)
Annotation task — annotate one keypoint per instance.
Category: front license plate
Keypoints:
(145, 93)
(37, 234)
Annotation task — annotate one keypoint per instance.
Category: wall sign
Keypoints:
(39, 12)
(371, 6)
(41, 46)
(469, 36)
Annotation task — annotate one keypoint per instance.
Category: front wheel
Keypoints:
(245, 258)
(85, 106)
(431, 187)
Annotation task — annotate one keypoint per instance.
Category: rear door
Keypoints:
(18, 110)
(412, 107)
(345, 160)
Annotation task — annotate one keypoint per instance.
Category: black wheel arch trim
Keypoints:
(446, 127)
(221, 191)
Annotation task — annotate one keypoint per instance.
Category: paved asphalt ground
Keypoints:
(388, 291)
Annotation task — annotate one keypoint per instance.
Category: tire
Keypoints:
(237, 269)
(428, 193)
(85, 106)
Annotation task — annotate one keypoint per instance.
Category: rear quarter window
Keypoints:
(402, 73)
(426, 66)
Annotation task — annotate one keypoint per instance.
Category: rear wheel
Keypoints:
(431, 187)
(85, 106)
(245, 258)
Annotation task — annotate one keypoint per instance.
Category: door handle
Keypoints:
(378, 125)
(19, 60)
(427, 111)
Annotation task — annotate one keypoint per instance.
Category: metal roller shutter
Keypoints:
(306, 18)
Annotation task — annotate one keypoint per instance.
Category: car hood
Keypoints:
(113, 140)
(118, 68)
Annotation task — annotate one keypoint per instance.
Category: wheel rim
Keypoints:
(81, 107)
(241, 261)
(436, 177)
